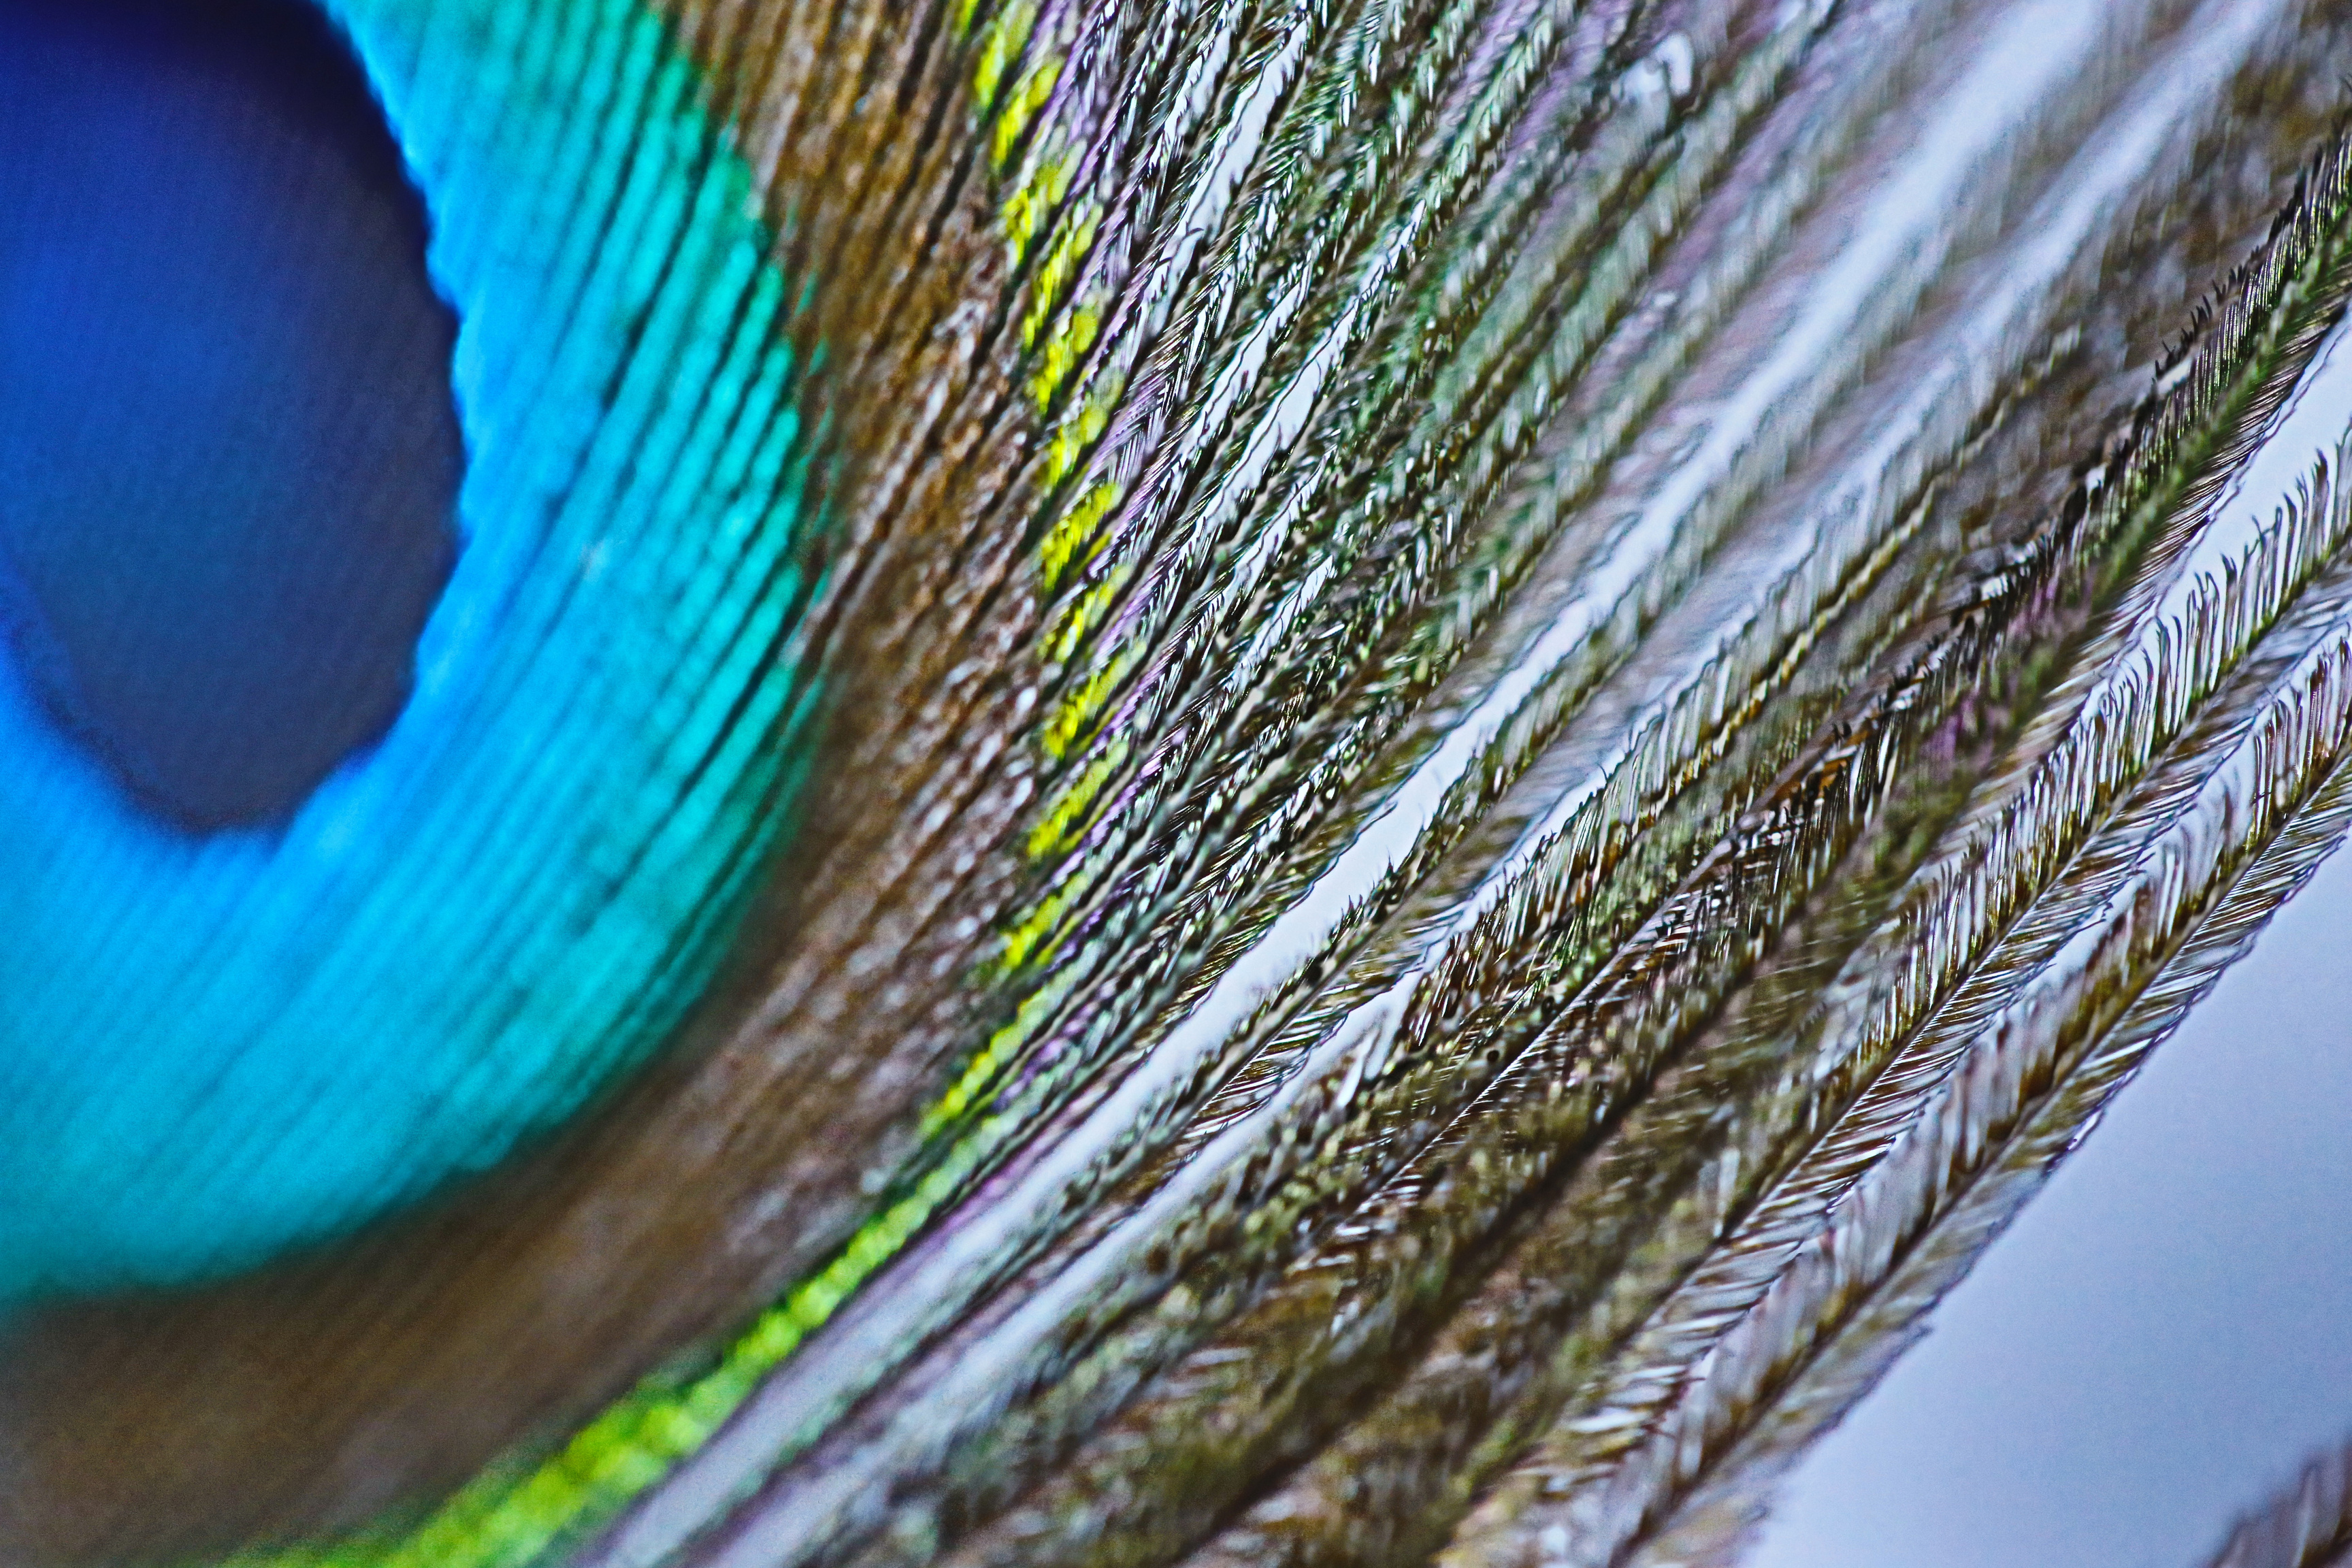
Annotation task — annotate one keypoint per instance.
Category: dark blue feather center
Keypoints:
(229, 455)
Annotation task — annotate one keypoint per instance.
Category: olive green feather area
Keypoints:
(1526, 700)
(1520, 489)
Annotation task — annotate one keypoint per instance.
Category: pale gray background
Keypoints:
(2164, 1332)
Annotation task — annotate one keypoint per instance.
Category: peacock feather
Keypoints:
(1022, 781)
(2308, 1524)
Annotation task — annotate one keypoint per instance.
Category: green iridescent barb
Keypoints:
(1516, 707)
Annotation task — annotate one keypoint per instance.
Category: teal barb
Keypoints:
(1214, 782)
(521, 888)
